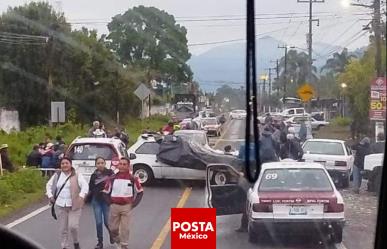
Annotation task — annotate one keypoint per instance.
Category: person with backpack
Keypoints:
(125, 192)
(100, 204)
(66, 191)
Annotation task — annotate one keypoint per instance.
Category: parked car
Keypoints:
(212, 126)
(238, 114)
(84, 151)
(334, 155)
(286, 195)
(147, 168)
(315, 124)
(293, 111)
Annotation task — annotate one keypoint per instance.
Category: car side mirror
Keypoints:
(132, 156)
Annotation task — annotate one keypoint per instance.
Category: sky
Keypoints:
(285, 20)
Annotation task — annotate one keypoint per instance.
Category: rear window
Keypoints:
(91, 151)
(148, 148)
(279, 180)
(325, 148)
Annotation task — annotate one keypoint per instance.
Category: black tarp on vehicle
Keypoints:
(178, 152)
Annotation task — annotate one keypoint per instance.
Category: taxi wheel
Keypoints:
(144, 174)
(344, 182)
(220, 178)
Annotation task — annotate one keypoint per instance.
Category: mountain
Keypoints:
(226, 64)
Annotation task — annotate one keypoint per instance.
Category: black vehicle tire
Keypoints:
(337, 235)
(375, 180)
(319, 127)
(144, 173)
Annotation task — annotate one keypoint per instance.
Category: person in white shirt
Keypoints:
(66, 190)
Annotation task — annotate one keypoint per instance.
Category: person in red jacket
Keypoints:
(125, 192)
(168, 129)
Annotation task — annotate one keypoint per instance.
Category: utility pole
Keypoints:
(378, 38)
(277, 73)
(310, 35)
(285, 81)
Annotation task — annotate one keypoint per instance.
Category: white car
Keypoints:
(295, 122)
(286, 195)
(293, 111)
(84, 151)
(315, 124)
(334, 155)
(238, 114)
(212, 126)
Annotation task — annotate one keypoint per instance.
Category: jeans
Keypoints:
(101, 214)
(357, 177)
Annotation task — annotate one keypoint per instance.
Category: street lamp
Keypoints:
(343, 86)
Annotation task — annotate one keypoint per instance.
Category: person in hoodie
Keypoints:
(99, 203)
(268, 147)
(362, 149)
(125, 192)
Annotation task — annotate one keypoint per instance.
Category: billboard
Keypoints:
(378, 99)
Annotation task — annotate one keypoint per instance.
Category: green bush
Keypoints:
(341, 121)
(15, 185)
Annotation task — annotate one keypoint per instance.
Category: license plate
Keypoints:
(297, 210)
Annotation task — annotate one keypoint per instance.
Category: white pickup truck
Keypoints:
(373, 164)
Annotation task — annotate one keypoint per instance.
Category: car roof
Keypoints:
(190, 132)
(291, 165)
(93, 140)
(325, 140)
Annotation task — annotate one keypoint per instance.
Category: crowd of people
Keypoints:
(98, 130)
(112, 197)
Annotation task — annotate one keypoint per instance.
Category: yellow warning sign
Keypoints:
(305, 92)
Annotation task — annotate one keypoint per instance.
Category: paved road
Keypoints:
(152, 215)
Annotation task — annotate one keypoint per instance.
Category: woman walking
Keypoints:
(99, 203)
(66, 190)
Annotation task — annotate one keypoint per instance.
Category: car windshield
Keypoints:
(294, 179)
(168, 85)
(91, 151)
(210, 122)
(325, 148)
(197, 138)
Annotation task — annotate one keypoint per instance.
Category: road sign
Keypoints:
(378, 99)
(305, 92)
(58, 112)
(142, 92)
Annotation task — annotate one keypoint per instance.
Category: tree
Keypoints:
(358, 75)
(337, 63)
(149, 38)
(297, 71)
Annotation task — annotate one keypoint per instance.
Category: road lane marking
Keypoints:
(159, 241)
(27, 217)
(224, 133)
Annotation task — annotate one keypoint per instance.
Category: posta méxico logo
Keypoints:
(193, 228)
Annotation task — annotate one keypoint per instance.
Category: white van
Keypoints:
(294, 111)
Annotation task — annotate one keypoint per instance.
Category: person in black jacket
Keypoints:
(291, 149)
(99, 203)
(362, 149)
(34, 158)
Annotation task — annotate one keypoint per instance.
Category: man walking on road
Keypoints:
(125, 193)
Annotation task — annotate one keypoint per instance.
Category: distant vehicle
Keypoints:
(212, 126)
(184, 106)
(295, 122)
(373, 165)
(84, 151)
(277, 116)
(334, 155)
(291, 102)
(188, 123)
(286, 195)
(238, 114)
(293, 111)
(316, 125)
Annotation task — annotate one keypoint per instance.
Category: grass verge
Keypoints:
(23, 201)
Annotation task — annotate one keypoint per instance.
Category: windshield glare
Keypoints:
(329, 148)
(283, 180)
